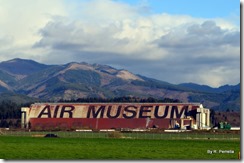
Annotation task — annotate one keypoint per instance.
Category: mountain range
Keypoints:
(80, 80)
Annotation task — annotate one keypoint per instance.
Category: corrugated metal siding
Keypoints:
(95, 123)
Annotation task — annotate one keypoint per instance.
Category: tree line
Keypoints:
(10, 113)
(123, 99)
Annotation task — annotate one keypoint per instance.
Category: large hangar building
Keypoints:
(97, 116)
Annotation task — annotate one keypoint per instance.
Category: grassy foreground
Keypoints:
(38, 148)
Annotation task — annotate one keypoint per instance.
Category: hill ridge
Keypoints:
(79, 79)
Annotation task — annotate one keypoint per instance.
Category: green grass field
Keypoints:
(70, 148)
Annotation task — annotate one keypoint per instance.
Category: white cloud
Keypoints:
(174, 48)
(21, 20)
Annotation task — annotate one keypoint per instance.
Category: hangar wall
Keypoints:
(41, 116)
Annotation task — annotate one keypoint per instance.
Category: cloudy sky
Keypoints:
(171, 40)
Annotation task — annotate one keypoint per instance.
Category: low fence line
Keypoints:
(126, 135)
